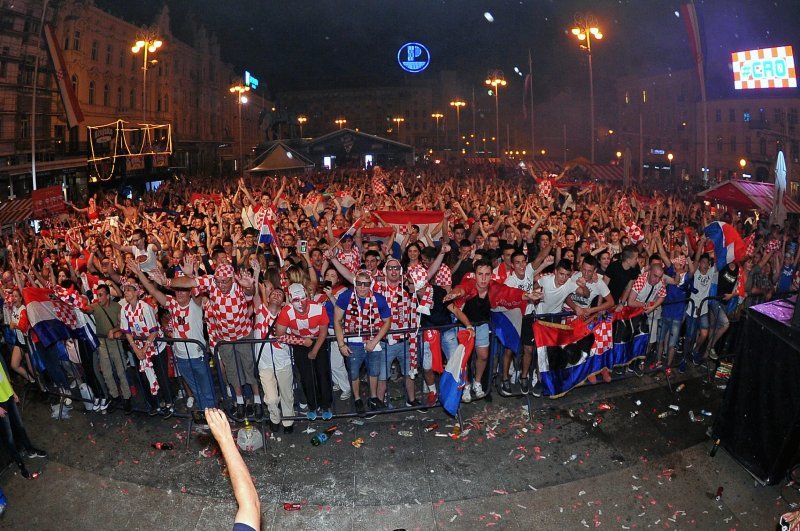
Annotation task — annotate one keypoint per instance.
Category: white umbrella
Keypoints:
(778, 215)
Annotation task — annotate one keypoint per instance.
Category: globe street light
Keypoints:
(670, 156)
(437, 116)
(340, 122)
(398, 120)
(239, 90)
(496, 79)
(149, 43)
(585, 29)
(458, 104)
(301, 120)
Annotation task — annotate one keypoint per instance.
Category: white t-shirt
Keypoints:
(595, 288)
(148, 261)
(702, 284)
(525, 284)
(554, 296)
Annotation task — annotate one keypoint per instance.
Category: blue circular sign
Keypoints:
(413, 57)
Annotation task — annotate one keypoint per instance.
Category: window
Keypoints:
(794, 149)
(132, 99)
(25, 127)
(166, 103)
(119, 97)
(91, 92)
(731, 115)
(719, 144)
(778, 115)
(733, 144)
(746, 116)
(66, 42)
(748, 145)
(75, 84)
(76, 41)
(94, 51)
(122, 57)
(158, 103)
(718, 115)
(762, 146)
(793, 116)
(109, 53)
(106, 95)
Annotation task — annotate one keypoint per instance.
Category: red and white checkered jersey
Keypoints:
(273, 353)
(141, 321)
(644, 291)
(229, 312)
(350, 259)
(307, 325)
(444, 277)
(187, 323)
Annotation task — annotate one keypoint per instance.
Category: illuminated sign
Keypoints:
(413, 57)
(655, 151)
(764, 68)
(250, 81)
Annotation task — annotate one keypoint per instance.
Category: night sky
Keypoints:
(309, 44)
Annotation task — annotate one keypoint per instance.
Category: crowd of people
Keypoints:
(310, 296)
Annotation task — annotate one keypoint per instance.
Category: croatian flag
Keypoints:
(454, 376)
(507, 326)
(428, 221)
(267, 234)
(728, 244)
(54, 320)
(380, 235)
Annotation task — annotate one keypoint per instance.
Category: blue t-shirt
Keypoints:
(785, 280)
(343, 302)
(675, 292)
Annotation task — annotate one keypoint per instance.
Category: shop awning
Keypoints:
(16, 210)
(748, 195)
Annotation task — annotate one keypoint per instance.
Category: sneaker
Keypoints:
(238, 413)
(153, 411)
(311, 415)
(376, 404)
(103, 404)
(113, 404)
(697, 359)
(477, 388)
(430, 398)
(336, 388)
(190, 402)
(258, 414)
(619, 370)
(712, 353)
(288, 429)
(682, 366)
(637, 368)
(167, 411)
(657, 366)
(466, 395)
(536, 386)
(274, 427)
(412, 403)
(126, 406)
(327, 414)
(360, 409)
(505, 388)
(302, 406)
(525, 386)
(96, 405)
(36, 452)
(249, 411)
(346, 395)
(25, 473)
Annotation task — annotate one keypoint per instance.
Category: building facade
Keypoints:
(187, 87)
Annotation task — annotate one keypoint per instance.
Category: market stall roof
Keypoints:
(280, 157)
(15, 210)
(748, 195)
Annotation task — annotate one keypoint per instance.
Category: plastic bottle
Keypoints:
(322, 438)
(162, 446)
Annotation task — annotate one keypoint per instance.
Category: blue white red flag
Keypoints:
(454, 377)
(728, 244)
(507, 326)
(54, 320)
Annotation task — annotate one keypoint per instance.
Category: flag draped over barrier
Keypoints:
(569, 353)
(455, 372)
(53, 319)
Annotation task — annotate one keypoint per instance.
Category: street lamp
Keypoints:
(239, 90)
(340, 122)
(398, 120)
(149, 43)
(742, 163)
(670, 156)
(301, 120)
(496, 79)
(458, 104)
(585, 29)
(437, 116)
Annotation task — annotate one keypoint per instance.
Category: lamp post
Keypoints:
(239, 90)
(585, 29)
(301, 120)
(437, 116)
(148, 42)
(496, 79)
(458, 104)
(670, 156)
(340, 122)
(398, 120)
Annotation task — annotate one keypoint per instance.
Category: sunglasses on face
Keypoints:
(364, 284)
(393, 268)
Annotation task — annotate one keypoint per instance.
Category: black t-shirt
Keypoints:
(477, 309)
(726, 282)
(618, 278)
(462, 270)
(440, 315)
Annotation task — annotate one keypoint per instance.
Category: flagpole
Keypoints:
(474, 138)
(530, 74)
(33, 98)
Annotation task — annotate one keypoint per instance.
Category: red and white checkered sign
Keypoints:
(764, 68)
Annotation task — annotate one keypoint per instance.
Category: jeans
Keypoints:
(195, 373)
(13, 431)
(396, 351)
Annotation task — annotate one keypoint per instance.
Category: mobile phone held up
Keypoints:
(303, 246)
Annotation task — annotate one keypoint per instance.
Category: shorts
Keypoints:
(720, 315)
(694, 324)
(359, 356)
(448, 342)
(526, 335)
(482, 335)
(397, 351)
(670, 330)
